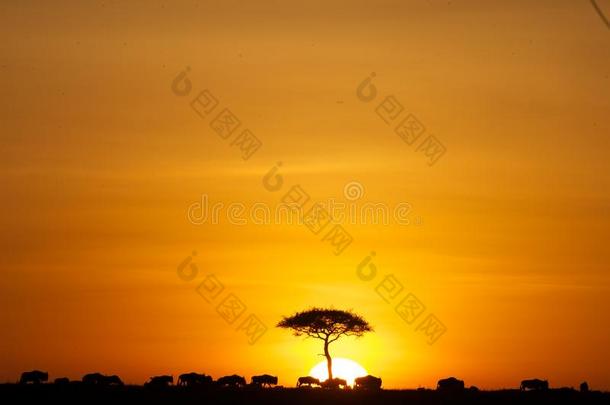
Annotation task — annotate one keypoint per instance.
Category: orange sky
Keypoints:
(100, 161)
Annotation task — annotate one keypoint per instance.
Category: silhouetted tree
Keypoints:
(327, 325)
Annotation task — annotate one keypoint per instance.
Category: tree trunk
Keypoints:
(329, 360)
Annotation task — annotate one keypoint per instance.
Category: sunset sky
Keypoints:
(100, 160)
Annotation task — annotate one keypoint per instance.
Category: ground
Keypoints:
(178, 395)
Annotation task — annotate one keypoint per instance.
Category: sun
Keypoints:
(347, 369)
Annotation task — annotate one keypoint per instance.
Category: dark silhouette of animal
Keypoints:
(367, 382)
(534, 385)
(112, 380)
(264, 380)
(584, 387)
(92, 378)
(194, 379)
(34, 377)
(100, 379)
(308, 381)
(450, 384)
(334, 383)
(62, 381)
(160, 381)
(231, 381)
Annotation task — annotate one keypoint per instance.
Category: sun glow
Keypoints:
(347, 369)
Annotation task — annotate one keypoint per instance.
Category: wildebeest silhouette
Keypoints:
(367, 382)
(264, 380)
(231, 381)
(112, 380)
(334, 383)
(308, 381)
(92, 378)
(584, 387)
(160, 381)
(100, 379)
(194, 379)
(34, 377)
(62, 381)
(534, 385)
(450, 384)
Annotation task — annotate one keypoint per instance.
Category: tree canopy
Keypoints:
(327, 325)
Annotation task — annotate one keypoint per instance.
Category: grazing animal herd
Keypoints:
(369, 382)
(201, 380)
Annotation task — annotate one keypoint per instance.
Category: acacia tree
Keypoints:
(327, 325)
